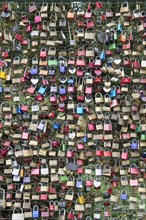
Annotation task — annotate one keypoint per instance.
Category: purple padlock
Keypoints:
(26, 178)
(134, 144)
(79, 183)
(62, 90)
(62, 69)
(34, 70)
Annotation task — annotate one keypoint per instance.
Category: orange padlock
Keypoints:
(123, 37)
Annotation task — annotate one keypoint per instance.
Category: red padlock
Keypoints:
(99, 152)
(99, 5)
(65, 128)
(80, 170)
(71, 215)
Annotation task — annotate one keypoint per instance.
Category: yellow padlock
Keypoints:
(81, 199)
(2, 74)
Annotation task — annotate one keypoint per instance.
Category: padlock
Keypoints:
(62, 90)
(34, 70)
(98, 170)
(71, 215)
(79, 109)
(45, 212)
(35, 212)
(89, 183)
(97, 214)
(41, 125)
(51, 206)
(113, 92)
(62, 69)
(26, 178)
(62, 214)
(79, 183)
(42, 90)
(134, 144)
(62, 203)
(44, 169)
(81, 199)
(124, 195)
(124, 154)
(70, 153)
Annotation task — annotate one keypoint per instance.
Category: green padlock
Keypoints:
(143, 137)
(112, 46)
(52, 61)
(138, 129)
(64, 179)
(63, 146)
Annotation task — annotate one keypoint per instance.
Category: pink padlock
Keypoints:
(51, 206)
(70, 153)
(114, 103)
(45, 212)
(80, 170)
(91, 126)
(37, 18)
(53, 97)
(107, 125)
(124, 155)
(71, 88)
(80, 61)
(89, 182)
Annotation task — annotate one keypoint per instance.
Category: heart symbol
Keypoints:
(72, 135)
(34, 81)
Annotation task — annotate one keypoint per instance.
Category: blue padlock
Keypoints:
(102, 55)
(62, 90)
(124, 195)
(79, 109)
(113, 92)
(35, 212)
(18, 110)
(56, 126)
(42, 90)
(119, 27)
(85, 139)
(1, 89)
(134, 144)
(62, 69)
(71, 80)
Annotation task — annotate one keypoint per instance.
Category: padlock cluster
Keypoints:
(73, 111)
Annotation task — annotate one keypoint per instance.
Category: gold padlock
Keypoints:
(81, 199)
